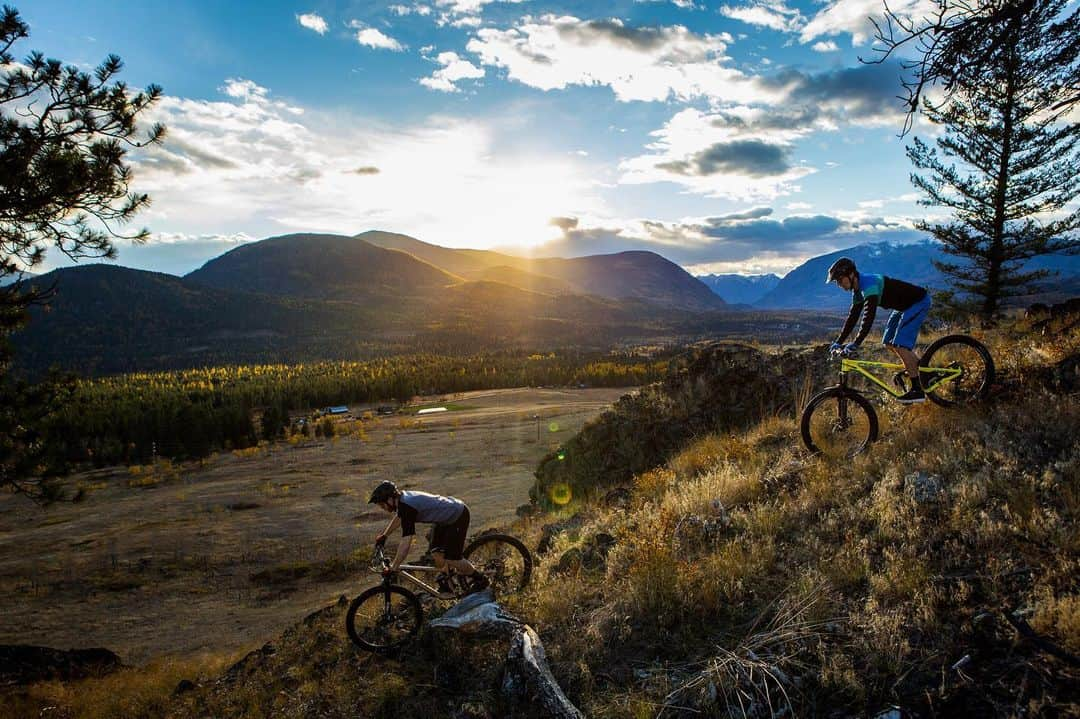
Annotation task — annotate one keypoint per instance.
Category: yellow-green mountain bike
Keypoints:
(839, 421)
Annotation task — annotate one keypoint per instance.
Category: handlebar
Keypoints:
(379, 562)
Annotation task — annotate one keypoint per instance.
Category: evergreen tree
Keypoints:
(63, 184)
(1004, 121)
(956, 37)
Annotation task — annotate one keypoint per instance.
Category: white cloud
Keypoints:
(454, 68)
(464, 21)
(684, 4)
(314, 22)
(410, 10)
(774, 15)
(709, 154)
(798, 206)
(853, 17)
(637, 63)
(249, 163)
(825, 46)
(244, 90)
(371, 37)
(468, 7)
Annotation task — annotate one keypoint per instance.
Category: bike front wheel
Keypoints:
(956, 370)
(839, 423)
(505, 561)
(383, 618)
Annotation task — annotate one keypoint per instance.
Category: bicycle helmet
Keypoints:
(841, 267)
(383, 492)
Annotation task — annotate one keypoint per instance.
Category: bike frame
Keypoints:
(862, 367)
(403, 572)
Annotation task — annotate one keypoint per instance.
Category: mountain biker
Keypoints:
(909, 304)
(450, 517)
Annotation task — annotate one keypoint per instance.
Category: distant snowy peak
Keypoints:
(740, 289)
(805, 288)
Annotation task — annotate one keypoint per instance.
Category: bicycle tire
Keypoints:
(369, 635)
(970, 386)
(818, 412)
(505, 560)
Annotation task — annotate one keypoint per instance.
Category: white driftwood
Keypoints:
(527, 677)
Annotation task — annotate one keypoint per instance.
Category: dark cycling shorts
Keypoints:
(450, 538)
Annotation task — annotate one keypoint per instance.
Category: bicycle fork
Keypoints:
(841, 402)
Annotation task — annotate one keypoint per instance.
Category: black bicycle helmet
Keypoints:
(843, 266)
(383, 492)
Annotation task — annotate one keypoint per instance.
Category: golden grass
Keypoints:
(899, 572)
(128, 694)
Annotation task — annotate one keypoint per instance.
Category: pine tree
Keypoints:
(63, 184)
(1004, 122)
(953, 37)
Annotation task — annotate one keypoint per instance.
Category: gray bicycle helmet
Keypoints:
(383, 492)
(843, 266)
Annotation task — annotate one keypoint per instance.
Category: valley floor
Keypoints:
(213, 558)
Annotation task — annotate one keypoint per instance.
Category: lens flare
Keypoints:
(561, 455)
(561, 493)
(553, 427)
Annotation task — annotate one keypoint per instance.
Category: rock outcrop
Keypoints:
(720, 387)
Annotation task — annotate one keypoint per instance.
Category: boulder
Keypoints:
(924, 488)
(716, 388)
(550, 531)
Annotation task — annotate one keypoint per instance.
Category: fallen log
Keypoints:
(527, 679)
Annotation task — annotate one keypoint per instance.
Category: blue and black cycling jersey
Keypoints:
(875, 291)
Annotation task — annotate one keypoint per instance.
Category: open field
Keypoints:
(218, 556)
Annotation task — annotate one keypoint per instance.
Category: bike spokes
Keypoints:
(503, 560)
(838, 425)
(384, 619)
(957, 372)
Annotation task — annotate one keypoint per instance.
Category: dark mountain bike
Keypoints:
(841, 422)
(388, 615)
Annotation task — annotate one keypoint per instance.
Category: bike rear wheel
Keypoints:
(957, 352)
(383, 618)
(505, 561)
(839, 423)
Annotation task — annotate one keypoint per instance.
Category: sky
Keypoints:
(731, 136)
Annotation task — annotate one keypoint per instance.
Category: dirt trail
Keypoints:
(219, 557)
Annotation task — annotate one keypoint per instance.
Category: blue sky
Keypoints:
(728, 136)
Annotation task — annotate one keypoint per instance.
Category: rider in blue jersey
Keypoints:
(909, 304)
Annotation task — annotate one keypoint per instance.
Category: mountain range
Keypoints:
(311, 296)
(740, 289)
(804, 287)
(307, 297)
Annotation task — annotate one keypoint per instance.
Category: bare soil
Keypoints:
(217, 557)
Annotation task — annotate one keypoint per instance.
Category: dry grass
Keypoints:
(749, 578)
(138, 692)
(905, 574)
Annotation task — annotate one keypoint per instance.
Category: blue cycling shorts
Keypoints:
(902, 329)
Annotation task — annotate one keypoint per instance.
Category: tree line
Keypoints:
(190, 413)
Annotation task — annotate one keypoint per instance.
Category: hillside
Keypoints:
(731, 574)
(328, 267)
(463, 262)
(106, 319)
(523, 279)
(635, 275)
